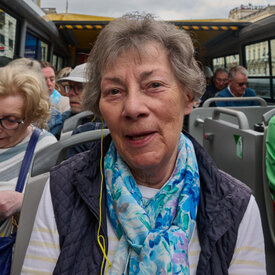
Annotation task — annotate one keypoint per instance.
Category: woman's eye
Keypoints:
(155, 85)
(114, 91)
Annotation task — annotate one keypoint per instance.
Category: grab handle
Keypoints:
(241, 117)
(268, 115)
(261, 101)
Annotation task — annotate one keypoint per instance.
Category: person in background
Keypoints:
(73, 84)
(208, 74)
(62, 73)
(237, 87)
(146, 199)
(218, 83)
(24, 102)
(59, 102)
(270, 158)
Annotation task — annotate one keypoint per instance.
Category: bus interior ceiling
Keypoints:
(80, 31)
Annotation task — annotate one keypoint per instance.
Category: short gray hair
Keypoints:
(132, 31)
(237, 69)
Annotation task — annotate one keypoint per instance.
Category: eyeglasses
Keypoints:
(10, 124)
(77, 89)
(241, 84)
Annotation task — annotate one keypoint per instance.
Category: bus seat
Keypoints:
(43, 161)
(268, 201)
(268, 115)
(198, 115)
(72, 122)
(260, 100)
(238, 150)
(32, 195)
(221, 140)
(54, 154)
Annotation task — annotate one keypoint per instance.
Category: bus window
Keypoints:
(44, 51)
(218, 63)
(31, 46)
(35, 48)
(59, 63)
(231, 61)
(256, 58)
(261, 86)
(54, 61)
(272, 46)
(7, 37)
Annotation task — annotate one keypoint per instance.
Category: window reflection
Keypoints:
(272, 46)
(218, 63)
(7, 37)
(257, 64)
(227, 62)
(232, 60)
(261, 86)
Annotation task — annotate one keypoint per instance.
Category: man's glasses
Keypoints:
(10, 124)
(77, 89)
(240, 84)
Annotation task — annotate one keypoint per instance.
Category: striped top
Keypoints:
(43, 249)
(10, 164)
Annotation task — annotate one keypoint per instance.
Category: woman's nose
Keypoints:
(135, 105)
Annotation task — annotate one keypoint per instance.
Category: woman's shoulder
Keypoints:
(47, 137)
(237, 184)
(74, 164)
(46, 134)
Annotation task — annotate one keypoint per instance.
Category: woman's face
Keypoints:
(12, 107)
(143, 106)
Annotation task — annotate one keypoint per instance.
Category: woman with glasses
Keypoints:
(24, 102)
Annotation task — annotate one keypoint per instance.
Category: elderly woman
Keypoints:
(147, 199)
(24, 101)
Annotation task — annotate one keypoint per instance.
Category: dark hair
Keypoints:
(46, 64)
(220, 70)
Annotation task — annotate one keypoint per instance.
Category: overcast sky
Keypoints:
(165, 9)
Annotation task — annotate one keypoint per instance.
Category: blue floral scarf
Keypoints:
(153, 235)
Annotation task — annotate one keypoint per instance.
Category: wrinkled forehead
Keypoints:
(137, 52)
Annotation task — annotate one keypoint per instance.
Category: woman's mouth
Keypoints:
(139, 139)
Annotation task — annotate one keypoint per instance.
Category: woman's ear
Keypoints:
(189, 102)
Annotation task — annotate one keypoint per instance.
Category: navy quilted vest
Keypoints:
(75, 189)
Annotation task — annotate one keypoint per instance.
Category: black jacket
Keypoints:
(75, 189)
